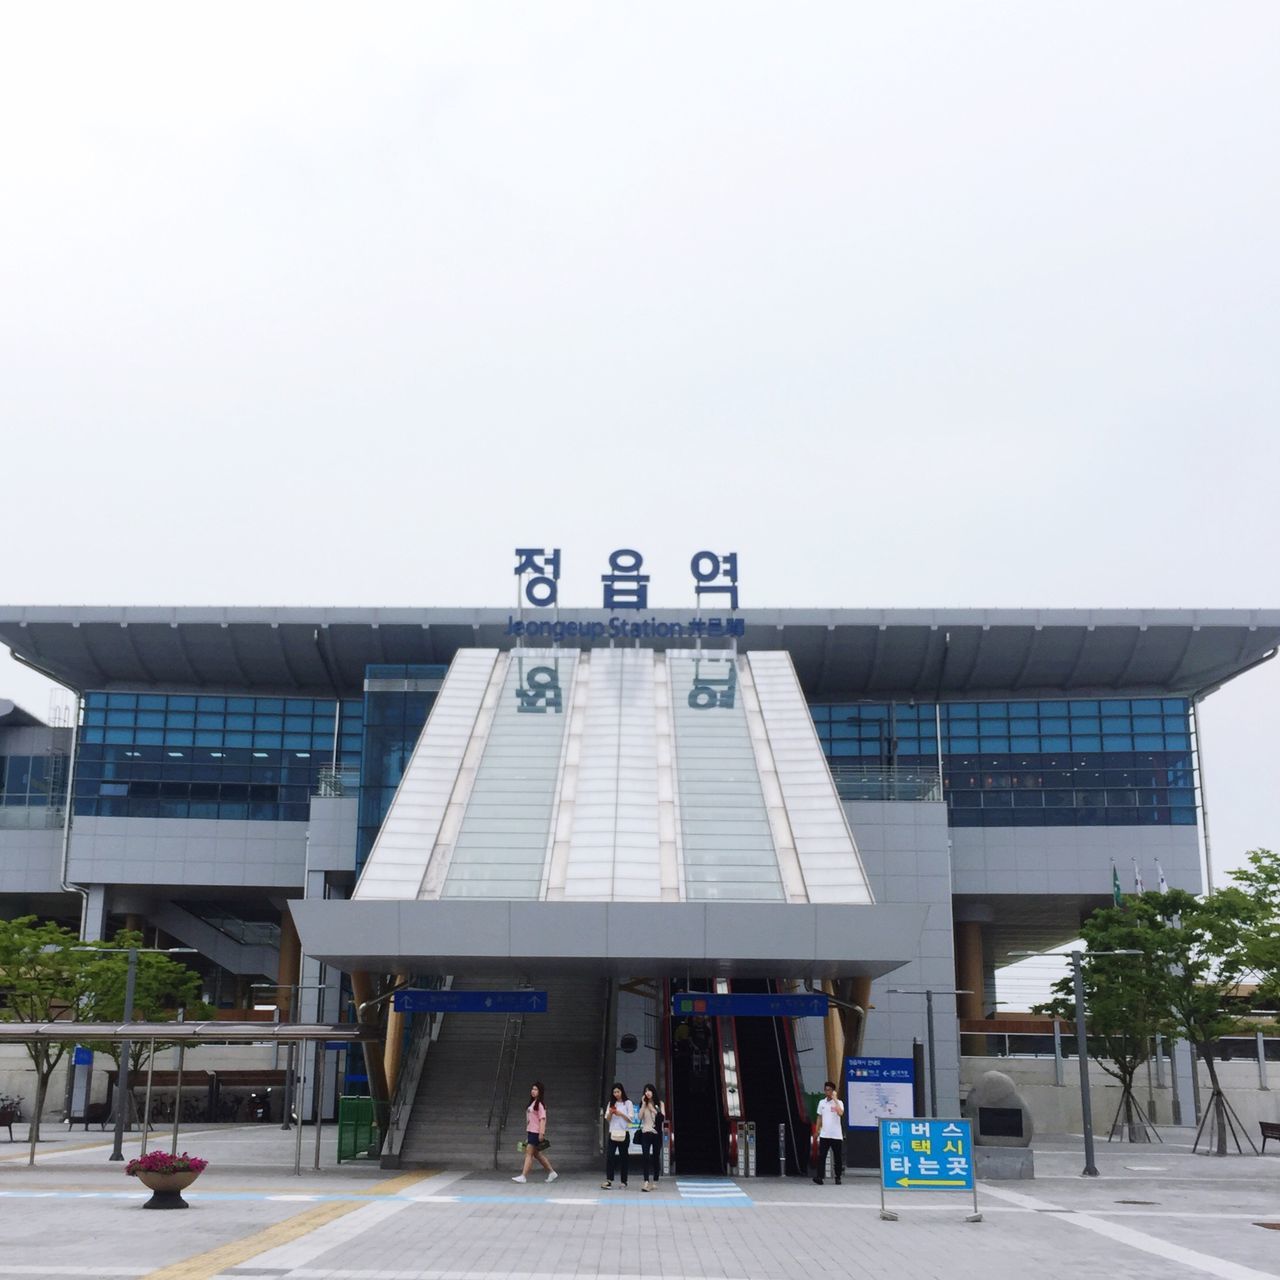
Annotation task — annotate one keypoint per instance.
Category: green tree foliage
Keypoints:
(1195, 951)
(1127, 997)
(42, 979)
(1261, 881)
(162, 987)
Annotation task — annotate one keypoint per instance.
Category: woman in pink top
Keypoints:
(535, 1130)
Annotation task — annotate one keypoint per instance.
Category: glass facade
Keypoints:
(397, 701)
(1058, 762)
(26, 782)
(168, 755)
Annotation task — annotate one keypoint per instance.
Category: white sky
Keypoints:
(939, 304)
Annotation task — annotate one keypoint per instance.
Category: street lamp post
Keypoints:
(291, 1068)
(126, 1046)
(1077, 959)
(929, 993)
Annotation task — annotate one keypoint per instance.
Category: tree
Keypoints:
(1127, 998)
(162, 986)
(1201, 945)
(1261, 881)
(42, 979)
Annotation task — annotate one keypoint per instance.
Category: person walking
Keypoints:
(618, 1117)
(830, 1133)
(535, 1132)
(651, 1119)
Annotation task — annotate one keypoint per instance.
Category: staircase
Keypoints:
(470, 1068)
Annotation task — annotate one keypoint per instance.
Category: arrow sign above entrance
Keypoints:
(411, 1001)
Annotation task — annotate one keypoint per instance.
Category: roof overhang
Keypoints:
(875, 653)
(731, 939)
(213, 1032)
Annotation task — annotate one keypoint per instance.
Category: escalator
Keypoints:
(696, 1103)
(770, 1078)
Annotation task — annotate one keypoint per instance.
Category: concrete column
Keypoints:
(93, 922)
(970, 974)
(395, 1046)
(288, 973)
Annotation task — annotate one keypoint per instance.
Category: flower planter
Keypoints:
(167, 1188)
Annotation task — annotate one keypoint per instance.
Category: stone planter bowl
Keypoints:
(167, 1188)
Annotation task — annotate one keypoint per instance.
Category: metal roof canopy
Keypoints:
(211, 1032)
(493, 936)
(903, 653)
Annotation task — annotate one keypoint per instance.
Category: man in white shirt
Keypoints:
(830, 1133)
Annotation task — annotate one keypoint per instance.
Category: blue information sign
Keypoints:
(410, 1001)
(81, 1057)
(688, 1004)
(926, 1155)
(876, 1088)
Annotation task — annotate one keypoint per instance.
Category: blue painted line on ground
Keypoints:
(735, 1201)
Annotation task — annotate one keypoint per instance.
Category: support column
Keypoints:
(287, 975)
(362, 990)
(93, 921)
(970, 971)
(395, 1047)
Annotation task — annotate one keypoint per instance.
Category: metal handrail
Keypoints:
(887, 782)
(425, 1028)
(497, 1073)
(513, 1029)
(605, 1064)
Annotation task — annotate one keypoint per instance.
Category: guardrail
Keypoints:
(886, 782)
(423, 1029)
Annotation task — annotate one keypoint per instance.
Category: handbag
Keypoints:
(543, 1143)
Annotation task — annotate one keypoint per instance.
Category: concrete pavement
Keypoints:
(1156, 1211)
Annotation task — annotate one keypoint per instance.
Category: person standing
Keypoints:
(535, 1132)
(618, 1117)
(830, 1133)
(651, 1119)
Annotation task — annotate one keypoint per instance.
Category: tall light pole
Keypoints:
(1077, 959)
(929, 993)
(126, 1046)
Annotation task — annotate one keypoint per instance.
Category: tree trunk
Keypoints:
(42, 1087)
(1219, 1103)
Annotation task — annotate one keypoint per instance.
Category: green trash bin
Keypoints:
(358, 1134)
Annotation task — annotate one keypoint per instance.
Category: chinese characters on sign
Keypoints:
(926, 1155)
(624, 586)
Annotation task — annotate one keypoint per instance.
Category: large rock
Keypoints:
(999, 1115)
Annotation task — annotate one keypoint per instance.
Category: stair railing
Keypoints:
(423, 1031)
(511, 1034)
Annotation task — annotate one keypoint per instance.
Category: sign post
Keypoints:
(926, 1155)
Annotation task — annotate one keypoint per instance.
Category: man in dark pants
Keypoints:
(830, 1133)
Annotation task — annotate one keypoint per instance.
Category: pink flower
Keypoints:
(163, 1162)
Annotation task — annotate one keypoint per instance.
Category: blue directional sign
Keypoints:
(687, 1004)
(926, 1155)
(410, 1001)
(876, 1089)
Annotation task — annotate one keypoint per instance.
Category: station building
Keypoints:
(327, 803)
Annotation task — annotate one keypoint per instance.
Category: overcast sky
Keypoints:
(928, 304)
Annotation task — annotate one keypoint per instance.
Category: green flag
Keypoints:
(1117, 898)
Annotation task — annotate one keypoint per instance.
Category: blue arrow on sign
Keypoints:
(414, 1001)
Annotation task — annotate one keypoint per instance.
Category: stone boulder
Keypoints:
(1000, 1117)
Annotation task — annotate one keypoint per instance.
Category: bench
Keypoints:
(96, 1113)
(1269, 1130)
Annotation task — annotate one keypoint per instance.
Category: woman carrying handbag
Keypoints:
(535, 1135)
(651, 1121)
(618, 1117)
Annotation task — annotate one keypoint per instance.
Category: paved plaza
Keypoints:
(1156, 1211)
